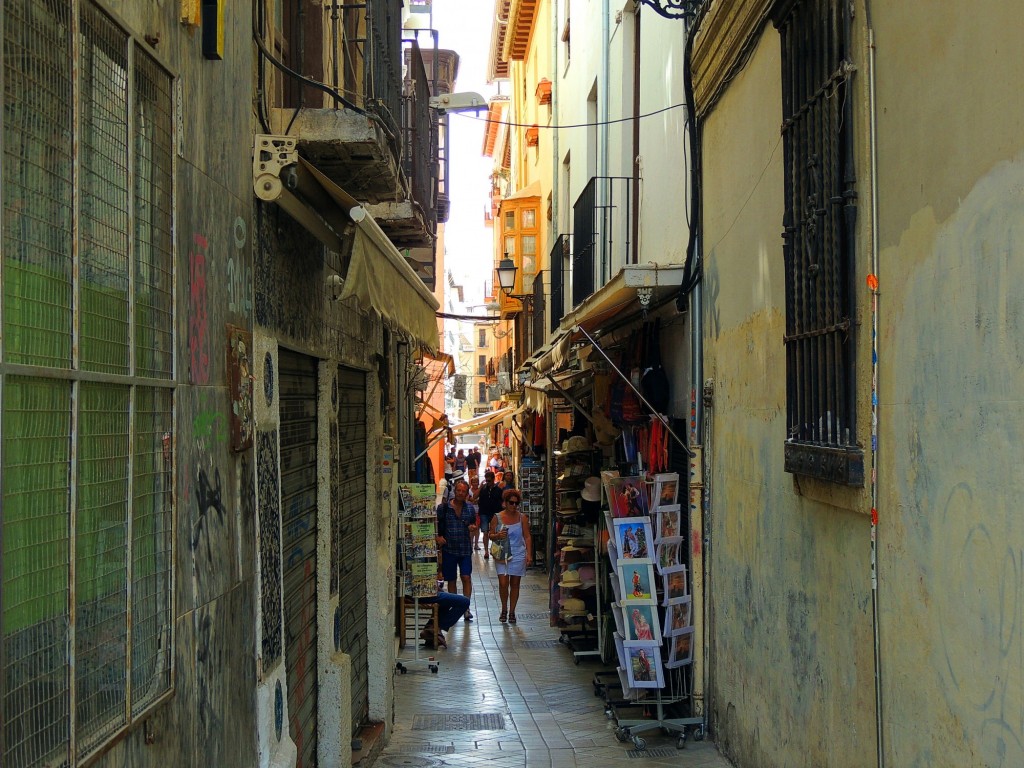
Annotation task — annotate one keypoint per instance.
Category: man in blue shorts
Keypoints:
(457, 522)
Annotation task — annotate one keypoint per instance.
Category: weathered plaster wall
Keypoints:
(951, 543)
(792, 681)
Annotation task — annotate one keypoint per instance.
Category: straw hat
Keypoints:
(573, 606)
(577, 545)
(571, 580)
(592, 489)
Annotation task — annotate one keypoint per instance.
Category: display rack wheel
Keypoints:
(433, 668)
(681, 741)
(639, 743)
(608, 713)
(401, 668)
(698, 733)
(621, 734)
(576, 660)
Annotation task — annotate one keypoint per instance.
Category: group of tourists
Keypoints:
(493, 509)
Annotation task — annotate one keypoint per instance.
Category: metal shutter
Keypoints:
(298, 518)
(348, 502)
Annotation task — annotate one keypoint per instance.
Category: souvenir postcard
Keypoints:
(633, 538)
(680, 649)
(669, 554)
(668, 523)
(644, 669)
(636, 579)
(642, 623)
(627, 497)
(674, 589)
(677, 617)
(666, 489)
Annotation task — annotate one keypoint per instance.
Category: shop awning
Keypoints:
(619, 297)
(551, 356)
(379, 276)
(442, 357)
(536, 391)
(486, 421)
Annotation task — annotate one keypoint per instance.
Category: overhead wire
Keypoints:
(564, 127)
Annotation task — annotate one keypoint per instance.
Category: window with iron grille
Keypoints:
(86, 382)
(818, 242)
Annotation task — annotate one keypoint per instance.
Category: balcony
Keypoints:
(370, 132)
(601, 227)
(537, 309)
(559, 262)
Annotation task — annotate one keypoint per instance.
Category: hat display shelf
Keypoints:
(534, 490)
(577, 572)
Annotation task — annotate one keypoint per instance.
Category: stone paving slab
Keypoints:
(551, 717)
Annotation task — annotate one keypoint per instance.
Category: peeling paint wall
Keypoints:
(792, 647)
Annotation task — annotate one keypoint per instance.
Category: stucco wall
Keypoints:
(793, 657)
(792, 680)
(951, 153)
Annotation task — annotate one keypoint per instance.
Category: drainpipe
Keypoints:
(873, 286)
(556, 170)
(635, 222)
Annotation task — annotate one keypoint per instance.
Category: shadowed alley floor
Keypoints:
(509, 695)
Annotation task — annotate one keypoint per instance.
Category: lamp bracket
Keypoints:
(673, 9)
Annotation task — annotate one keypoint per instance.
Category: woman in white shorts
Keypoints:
(510, 529)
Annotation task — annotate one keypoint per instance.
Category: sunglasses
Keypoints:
(516, 503)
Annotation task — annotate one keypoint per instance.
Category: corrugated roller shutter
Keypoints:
(298, 518)
(349, 510)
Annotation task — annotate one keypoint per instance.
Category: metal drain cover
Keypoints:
(459, 722)
(533, 616)
(407, 761)
(539, 644)
(639, 754)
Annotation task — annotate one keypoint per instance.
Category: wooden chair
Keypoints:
(409, 622)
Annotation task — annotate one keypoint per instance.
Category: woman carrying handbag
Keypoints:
(512, 549)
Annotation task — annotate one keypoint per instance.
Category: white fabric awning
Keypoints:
(485, 421)
(379, 276)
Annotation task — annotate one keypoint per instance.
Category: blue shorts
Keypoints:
(451, 566)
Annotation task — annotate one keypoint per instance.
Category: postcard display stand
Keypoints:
(648, 560)
(531, 483)
(417, 536)
(576, 576)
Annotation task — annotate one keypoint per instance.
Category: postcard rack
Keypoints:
(417, 536)
(649, 562)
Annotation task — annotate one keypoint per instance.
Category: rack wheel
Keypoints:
(598, 690)
(639, 743)
(681, 741)
(698, 733)
(608, 713)
(401, 668)
(576, 660)
(433, 668)
(621, 734)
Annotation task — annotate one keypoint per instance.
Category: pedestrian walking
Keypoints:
(510, 530)
(457, 521)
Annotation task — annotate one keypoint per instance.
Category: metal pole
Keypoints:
(661, 417)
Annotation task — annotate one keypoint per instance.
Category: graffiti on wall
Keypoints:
(240, 387)
(269, 500)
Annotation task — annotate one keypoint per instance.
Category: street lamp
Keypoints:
(507, 279)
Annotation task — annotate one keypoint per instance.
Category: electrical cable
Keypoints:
(563, 127)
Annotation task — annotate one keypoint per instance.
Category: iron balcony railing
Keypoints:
(559, 262)
(419, 146)
(537, 308)
(601, 245)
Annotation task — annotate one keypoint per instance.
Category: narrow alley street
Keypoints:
(509, 695)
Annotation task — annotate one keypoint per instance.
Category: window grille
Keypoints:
(86, 383)
(818, 242)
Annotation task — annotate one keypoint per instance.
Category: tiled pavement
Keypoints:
(542, 707)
